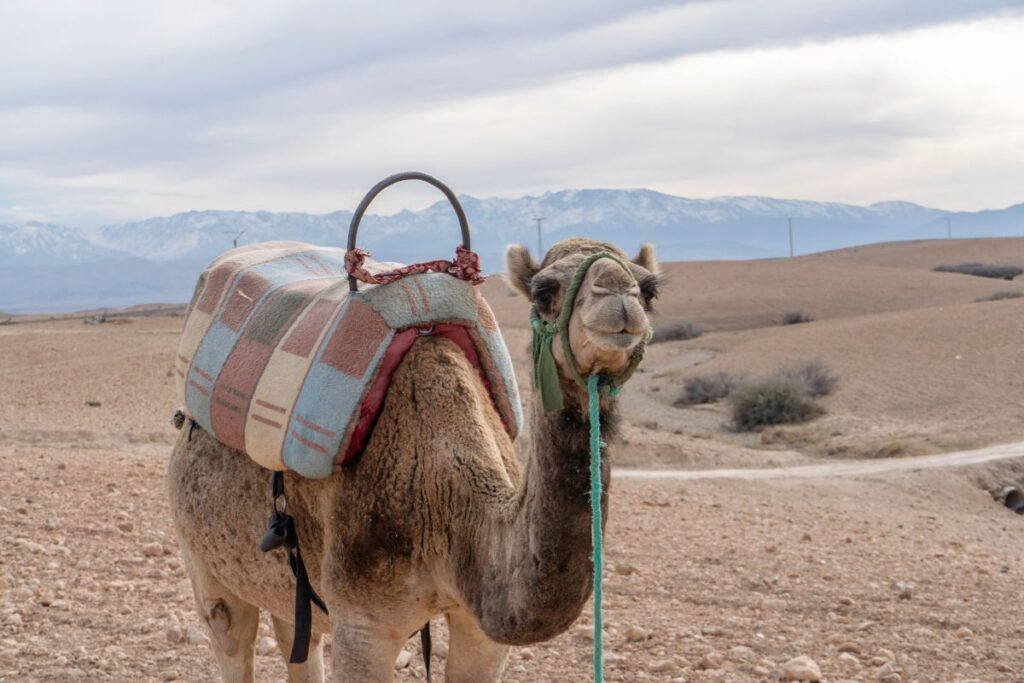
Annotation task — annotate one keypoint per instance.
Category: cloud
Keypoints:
(122, 110)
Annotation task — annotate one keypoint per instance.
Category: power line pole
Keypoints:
(790, 237)
(234, 240)
(540, 241)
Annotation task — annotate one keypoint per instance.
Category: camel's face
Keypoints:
(610, 315)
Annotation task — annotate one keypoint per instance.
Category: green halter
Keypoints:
(545, 372)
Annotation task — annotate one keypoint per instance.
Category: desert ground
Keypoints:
(898, 572)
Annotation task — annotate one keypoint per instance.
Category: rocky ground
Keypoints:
(914, 577)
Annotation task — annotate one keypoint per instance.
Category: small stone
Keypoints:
(625, 569)
(711, 660)
(14, 620)
(903, 591)
(613, 658)
(50, 524)
(196, 637)
(153, 549)
(964, 632)
(634, 634)
(404, 658)
(125, 527)
(742, 652)
(851, 647)
(169, 676)
(174, 635)
(801, 668)
(887, 654)
(586, 632)
(526, 654)
(266, 646)
(662, 666)
(846, 601)
(848, 658)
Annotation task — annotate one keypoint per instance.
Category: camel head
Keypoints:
(610, 316)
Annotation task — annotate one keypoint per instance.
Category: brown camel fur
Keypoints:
(437, 516)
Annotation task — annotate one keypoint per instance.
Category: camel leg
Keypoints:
(233, 623)
(363, 650)
(472, 656)
(310, 671)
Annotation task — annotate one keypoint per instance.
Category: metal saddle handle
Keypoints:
(353, 228)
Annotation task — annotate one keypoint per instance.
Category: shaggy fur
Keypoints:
(437, 516)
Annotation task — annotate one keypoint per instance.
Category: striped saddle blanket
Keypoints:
(279, 360)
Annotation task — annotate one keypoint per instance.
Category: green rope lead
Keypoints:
(595, 507)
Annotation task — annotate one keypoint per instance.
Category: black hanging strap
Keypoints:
(281, 533)
(425, 647)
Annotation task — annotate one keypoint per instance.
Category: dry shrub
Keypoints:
(708, 388)
(813, 376)
(796, 317)
(999, 296)
(771, 403)
(981, 270)
(678, 331)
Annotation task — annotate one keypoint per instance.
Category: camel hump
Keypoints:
(278, 359)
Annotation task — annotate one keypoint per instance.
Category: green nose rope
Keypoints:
(548, 385)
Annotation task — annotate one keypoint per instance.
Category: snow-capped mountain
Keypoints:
(36, 243)
(682, 229)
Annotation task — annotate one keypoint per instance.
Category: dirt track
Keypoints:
(851, 468)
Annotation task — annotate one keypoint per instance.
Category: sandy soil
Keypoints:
(877, 576)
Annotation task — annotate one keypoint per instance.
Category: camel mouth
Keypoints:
(619, 341)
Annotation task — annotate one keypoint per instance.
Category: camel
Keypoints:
(437, 516)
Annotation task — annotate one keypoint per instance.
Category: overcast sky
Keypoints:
(124, 109)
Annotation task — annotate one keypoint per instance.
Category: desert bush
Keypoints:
(771, 403)
(708, 388)
(795, 318)
(999, 296)
(813, 376)
(678, 331)
(981, 270)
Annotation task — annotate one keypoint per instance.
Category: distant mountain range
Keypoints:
(48, 267)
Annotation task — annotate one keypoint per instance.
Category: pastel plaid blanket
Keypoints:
(279, 360)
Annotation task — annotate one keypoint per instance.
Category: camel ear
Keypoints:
(520, 269)
(646, 258)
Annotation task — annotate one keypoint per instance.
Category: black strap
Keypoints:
(281, 533)
(425, 647)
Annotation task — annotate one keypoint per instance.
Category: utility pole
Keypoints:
(540, 241)
(234, 240)
(790, 237)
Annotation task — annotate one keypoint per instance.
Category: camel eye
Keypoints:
(545, 293)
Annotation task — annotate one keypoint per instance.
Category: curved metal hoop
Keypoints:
(353, 228)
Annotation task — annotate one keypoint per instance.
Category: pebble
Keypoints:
(586, 632)
(266, 646)
(404, 658)
(153, 549)
(174, 635)
(801, 668)
(711, 660)
(662, 666)
(964, 632)
(634, 634)
(526, 654)
(849, 658)
(195, 636)
(851, 647)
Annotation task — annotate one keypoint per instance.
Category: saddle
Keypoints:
(284, 356)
